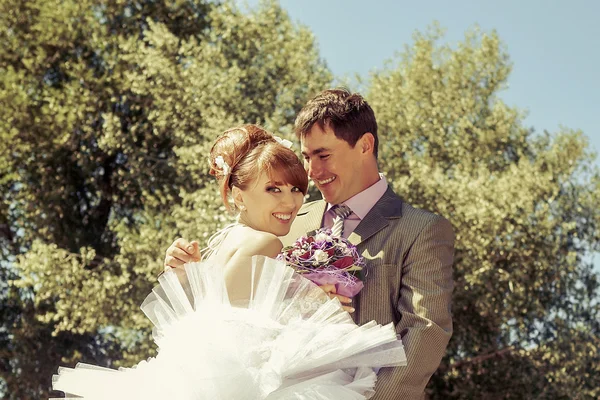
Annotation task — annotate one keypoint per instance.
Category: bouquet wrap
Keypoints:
(326, 259)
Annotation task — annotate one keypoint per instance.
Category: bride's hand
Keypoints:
(330, 290)
(182, 252)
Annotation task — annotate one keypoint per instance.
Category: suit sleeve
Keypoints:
(424, 304)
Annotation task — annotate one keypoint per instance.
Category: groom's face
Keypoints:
(333, 165)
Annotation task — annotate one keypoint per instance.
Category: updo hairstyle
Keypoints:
(248, 150)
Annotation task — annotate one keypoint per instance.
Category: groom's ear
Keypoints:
(367, 143)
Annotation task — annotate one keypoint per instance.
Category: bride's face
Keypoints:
(269, 204)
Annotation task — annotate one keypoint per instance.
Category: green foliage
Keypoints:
(107, 112)
(526, 303)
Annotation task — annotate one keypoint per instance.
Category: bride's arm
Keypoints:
(239, 267)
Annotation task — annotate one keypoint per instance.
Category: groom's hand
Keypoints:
(182, 252)
(330, 290)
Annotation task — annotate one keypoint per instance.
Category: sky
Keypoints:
(554, 47)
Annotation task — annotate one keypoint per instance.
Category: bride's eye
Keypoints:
(273, 189)
(296, 189)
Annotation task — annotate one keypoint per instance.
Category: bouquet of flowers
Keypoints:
(326, 259)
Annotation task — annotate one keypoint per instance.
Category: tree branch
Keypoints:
(481, 358)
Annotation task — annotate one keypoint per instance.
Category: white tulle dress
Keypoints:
(289, 341)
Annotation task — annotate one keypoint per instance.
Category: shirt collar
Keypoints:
(363, 202)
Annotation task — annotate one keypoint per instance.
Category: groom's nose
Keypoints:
(313, 169)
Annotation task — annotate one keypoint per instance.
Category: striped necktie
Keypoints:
(341, 212)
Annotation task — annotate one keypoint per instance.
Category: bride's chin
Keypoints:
(282, 230)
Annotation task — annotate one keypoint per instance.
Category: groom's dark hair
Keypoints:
(347, 114)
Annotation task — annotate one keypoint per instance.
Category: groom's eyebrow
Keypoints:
(316, 151)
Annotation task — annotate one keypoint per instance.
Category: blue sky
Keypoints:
(554, 47)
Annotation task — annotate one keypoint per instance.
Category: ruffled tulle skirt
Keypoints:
(288, 341)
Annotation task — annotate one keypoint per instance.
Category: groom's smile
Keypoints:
(334, 165)
(325, 181)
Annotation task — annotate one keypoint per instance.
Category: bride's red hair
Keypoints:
(249, 150)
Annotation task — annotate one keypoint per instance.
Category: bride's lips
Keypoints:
(284, 218)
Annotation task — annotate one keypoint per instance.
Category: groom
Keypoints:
(408, 251)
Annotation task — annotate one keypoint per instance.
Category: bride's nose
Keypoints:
(287, 200)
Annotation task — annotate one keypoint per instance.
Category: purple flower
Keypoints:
(326, 258)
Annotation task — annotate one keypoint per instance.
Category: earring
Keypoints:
(242, 207)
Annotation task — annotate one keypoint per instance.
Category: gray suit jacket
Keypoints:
(408, 281)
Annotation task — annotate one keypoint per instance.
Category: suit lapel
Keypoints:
(388, 207)
(308, 220)
(367, 228)
(314, 217)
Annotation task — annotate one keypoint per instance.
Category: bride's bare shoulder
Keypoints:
(253, 242)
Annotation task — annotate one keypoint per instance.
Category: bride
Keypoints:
(241, 325)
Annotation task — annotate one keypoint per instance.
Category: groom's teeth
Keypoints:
(326, 181)
(283, 216)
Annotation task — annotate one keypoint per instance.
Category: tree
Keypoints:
(107, 112)
(523, 205)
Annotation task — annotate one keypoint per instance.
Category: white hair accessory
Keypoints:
(221, 163)
(283, 142)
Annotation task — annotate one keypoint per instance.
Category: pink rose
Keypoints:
(344, 262)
